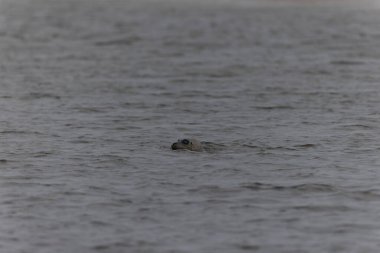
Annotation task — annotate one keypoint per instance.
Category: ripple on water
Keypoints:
(304, 188)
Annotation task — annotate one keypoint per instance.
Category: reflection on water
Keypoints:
(93, 94)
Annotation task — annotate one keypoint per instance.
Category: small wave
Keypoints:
(213, 147)
(88, 109)
(118, 42)
(313, 188)
(346, 62)
(248, 247)
(318, 72)
(256, 186)
(297, 147)
(355, 126)
(307, 145)
(43, 154)
(322, 208)
(20, 132)
(278, 148)
(40, 95)
(6, 97)
(250, 146)
(206, 188)
(275, 107)
(211, 189)
(365, 195)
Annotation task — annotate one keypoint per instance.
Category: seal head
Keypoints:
(187, 144)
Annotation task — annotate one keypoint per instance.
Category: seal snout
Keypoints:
(174, 146)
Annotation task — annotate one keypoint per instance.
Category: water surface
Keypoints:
(93, 93)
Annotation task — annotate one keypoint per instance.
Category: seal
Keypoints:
(188, 144)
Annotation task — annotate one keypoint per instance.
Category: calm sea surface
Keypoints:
(93, 93)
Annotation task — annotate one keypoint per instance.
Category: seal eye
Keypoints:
(185, 141)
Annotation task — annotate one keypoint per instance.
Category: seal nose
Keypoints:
(174, 146)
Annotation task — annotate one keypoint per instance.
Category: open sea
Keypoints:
(93, 93)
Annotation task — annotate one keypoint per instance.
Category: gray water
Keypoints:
(93, 93)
